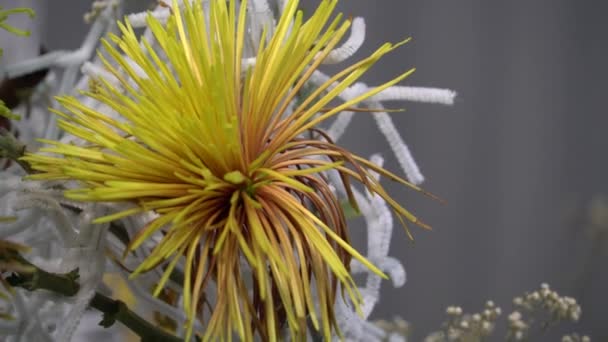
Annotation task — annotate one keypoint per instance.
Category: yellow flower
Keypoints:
(211, 147)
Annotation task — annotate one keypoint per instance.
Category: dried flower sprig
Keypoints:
(576, 338)
(214, 150)
(543, 302)
(530, 312)
(397, 329)
(467, 327)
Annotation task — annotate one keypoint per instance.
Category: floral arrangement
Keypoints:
(181, 173)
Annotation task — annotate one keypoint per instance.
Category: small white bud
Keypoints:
(575, 316)
(401, 324)
(515, 316)
(453, 311)
(519, 325)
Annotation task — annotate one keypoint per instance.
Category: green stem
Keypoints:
(38, 279)
(112, 310)
(116, 310)
(13, 149)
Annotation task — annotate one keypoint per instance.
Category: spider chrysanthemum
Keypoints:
(231, 164)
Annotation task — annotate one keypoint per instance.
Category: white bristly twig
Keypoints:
(352, 44)
(416, 94)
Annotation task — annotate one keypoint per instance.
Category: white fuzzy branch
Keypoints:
(352, 44)
(416, 94)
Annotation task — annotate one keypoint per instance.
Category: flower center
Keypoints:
(242, 182)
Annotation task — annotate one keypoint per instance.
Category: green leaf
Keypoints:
(6, 112)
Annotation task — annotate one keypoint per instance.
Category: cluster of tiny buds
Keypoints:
(560, 308)
(397, 326)
(576, 338)
(544, 300)
(467, 327)
(461, 327)
(517, 326)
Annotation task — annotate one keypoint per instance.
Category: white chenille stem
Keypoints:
(354, 327)
(382, 222)
(385, 124)
(24, 221)
(400, 149)
(88, 284)
(138, 20)
(282, 4)
(395, 337)
(247, 63)
(139, 71)
(86, 251)
(338, 127)
(99, 27)
(8, 328)
(260, 6)
(352, 44)
(30, 327)
(378, 160)
(34, 64)
(395, 270)
(54, 212)
(260, 17)
(96, 71)
(10, 183)
(380, 228)
(416, 94)
(63, 58)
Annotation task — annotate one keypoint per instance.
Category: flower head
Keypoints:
(220, 151)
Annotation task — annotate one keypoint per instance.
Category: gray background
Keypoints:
(517, 158)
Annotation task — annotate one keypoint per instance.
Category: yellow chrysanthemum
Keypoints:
(212, 149)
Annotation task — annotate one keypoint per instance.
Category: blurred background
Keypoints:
(520, 158)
